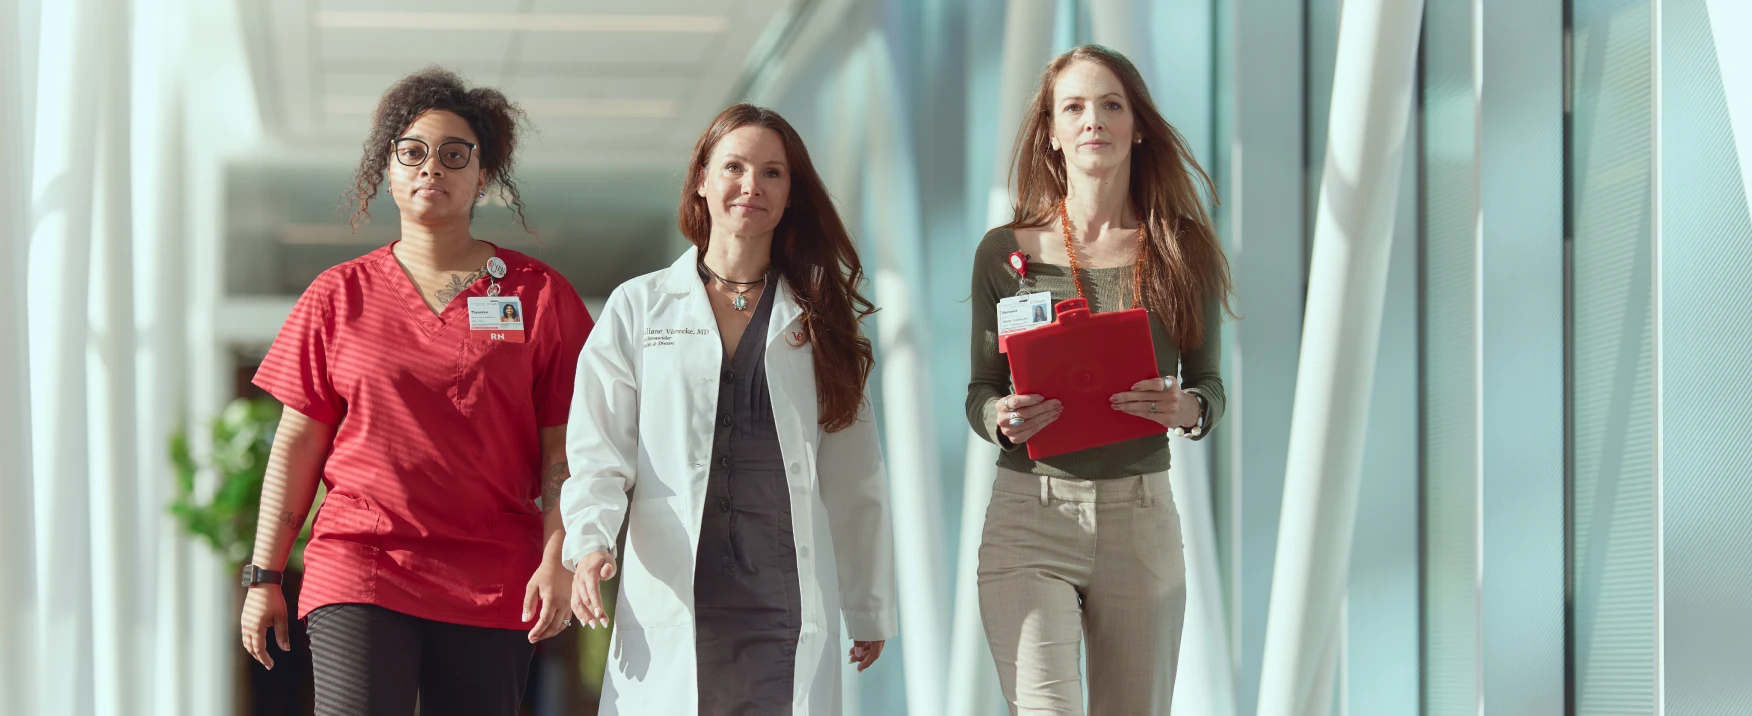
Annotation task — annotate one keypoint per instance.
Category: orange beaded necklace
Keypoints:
(1076, 270)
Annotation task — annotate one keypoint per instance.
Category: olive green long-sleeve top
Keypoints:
(1108, 289)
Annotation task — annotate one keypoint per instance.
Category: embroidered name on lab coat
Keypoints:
(666, 336)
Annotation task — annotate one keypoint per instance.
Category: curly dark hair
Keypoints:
(494, 119)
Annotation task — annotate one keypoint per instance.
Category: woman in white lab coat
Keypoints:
(720, 413)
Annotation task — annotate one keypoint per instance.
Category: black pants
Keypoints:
(370, 661)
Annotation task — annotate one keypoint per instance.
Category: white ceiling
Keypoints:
(606, 84)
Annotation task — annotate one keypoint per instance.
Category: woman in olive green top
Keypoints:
(1088, 543)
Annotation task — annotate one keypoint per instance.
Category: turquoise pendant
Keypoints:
(740, 302)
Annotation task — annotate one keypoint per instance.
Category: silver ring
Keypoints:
(566, 623)
(1153, 407)
(1016, 420)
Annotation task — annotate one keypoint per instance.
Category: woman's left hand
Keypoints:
(864, 653)
(546, 598)
(1159, 399)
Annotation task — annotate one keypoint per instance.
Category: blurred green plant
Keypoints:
(225, 517)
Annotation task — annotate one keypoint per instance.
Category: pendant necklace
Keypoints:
(739, 303)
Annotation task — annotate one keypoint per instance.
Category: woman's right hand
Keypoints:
(1036, 411)
(593, 569)
(265, 607)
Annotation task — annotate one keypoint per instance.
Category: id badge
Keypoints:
(1024, 311)
(495, 318)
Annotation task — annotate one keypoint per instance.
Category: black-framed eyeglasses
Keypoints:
(454, 154)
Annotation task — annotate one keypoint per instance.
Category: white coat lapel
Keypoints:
(785, 312)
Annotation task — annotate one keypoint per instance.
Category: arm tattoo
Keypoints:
(288, 520)
(550, 485)
(458, 284)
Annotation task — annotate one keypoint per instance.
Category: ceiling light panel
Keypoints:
(669, 50)
(413, 49)
(525, 22)
(594, 85)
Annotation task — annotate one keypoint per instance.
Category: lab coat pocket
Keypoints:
(656, 588)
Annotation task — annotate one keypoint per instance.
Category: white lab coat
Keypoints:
(638, 442)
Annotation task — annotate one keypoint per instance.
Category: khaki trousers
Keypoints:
(1061, 559)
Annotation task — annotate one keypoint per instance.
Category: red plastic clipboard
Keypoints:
(1082, 359)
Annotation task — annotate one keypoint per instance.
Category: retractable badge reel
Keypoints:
(1026, 309)
(494, 317)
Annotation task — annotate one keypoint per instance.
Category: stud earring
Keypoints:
(1139, 140)
(483, 193)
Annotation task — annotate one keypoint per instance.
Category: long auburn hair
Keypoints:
(1183, 267)
(812, 251)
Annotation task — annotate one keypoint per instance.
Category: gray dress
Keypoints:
(747, 613)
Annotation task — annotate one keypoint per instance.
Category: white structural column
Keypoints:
(60, 256)
(18, 599)
(161, 607)
(1372, 88)
(843, 109)
(973, 680)
(1521, 567)
(1260, 169)
(111, 379)
(902, 334)
(1124, 25)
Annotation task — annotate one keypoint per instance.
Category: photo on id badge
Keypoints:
(495, 318)
(1024, 311)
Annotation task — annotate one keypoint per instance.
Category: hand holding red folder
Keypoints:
(1082, 360)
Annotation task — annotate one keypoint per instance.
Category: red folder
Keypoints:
(1082, 360)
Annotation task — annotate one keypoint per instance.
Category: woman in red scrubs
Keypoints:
(434, 421)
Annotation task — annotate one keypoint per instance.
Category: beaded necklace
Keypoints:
(1076, 270)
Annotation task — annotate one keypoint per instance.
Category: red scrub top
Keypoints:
(436, 461)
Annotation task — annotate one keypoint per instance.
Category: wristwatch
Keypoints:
(253, 575)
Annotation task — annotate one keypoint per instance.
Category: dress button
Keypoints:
(724, 421)
(724, 461)
(729, 375)
(724, 505)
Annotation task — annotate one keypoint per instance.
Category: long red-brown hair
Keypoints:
(813, 252)
(1183, 268)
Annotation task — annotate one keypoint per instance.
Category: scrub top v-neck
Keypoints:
(435, 466)
(747, 607)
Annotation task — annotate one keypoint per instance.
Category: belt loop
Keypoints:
(1044, 482)
(1144, 484)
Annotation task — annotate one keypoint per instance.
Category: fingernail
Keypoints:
(526, 616)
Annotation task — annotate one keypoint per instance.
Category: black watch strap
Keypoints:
(253, 575)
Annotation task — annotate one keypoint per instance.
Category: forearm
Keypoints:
(295, 463)
(554, 473)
